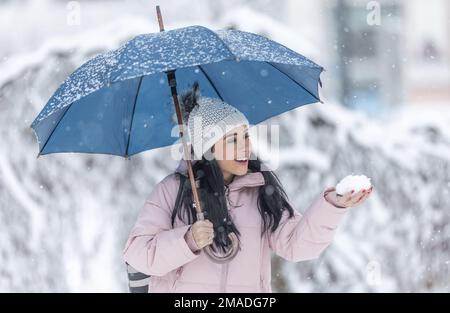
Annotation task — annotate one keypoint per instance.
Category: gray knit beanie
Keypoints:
(208, 119)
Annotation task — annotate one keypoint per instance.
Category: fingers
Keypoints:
(203, 226)
(204, 229)
(205, 240)
(203, 233)
(360, 196)
(344, 199)
(205, 223)
(367, 194)
(351, 198)
(347, 196)
(361, 200)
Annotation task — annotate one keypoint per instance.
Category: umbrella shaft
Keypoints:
(160, 20)
(173, 88)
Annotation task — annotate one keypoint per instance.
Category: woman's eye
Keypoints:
(234, 139)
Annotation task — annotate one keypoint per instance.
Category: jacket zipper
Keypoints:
(262, 263)
(224, 277)
(177, 275)
(224, 274)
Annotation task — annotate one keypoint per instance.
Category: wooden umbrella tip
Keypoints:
(160, 20)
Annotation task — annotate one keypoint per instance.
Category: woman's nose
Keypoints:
(243, 150)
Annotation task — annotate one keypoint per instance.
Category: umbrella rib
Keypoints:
(294, 81)
(210, 82)
(53, 130)
(223, 42)
(132, 115)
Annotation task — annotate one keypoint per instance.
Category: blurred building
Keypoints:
(428, 52)
(368, 54)
(379, 54)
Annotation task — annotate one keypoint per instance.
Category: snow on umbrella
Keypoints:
(118, 102)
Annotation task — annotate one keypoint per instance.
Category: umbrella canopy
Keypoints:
(118, 102)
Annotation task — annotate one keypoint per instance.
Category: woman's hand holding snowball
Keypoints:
(348, 199)
(350, 191)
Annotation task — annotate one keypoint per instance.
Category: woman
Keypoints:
(237, 196)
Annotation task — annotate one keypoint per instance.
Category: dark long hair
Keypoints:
(272, 198)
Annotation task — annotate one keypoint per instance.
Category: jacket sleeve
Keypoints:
(154, 247)
(304, 237)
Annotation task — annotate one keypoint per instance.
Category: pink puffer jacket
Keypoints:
(157, 249)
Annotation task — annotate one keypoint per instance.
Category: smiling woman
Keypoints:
(233, 152)
(237, 197)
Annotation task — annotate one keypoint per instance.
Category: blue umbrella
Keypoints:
(118, 102)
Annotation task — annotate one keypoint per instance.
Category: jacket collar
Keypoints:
(251, 179)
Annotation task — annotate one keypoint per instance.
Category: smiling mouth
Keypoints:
(244, 161)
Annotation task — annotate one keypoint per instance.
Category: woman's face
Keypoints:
(233, 151)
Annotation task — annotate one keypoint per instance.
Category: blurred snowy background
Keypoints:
(386, 114)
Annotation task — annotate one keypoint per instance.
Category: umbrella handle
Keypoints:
(229, 255)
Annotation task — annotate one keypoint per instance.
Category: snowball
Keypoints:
(353, 182)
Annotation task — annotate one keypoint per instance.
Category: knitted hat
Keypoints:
(208, 120)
